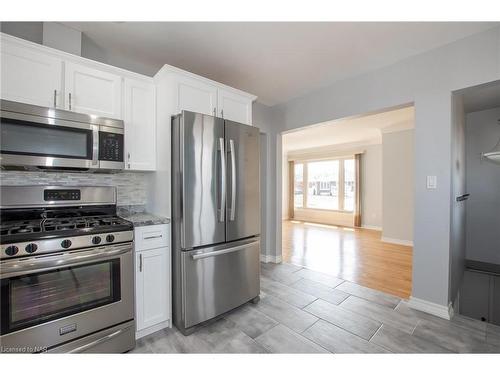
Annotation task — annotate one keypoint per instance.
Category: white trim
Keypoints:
(445, 312)
(152, 329)
(173, 69)
(397, 241)
(270, 258)
(372, 227)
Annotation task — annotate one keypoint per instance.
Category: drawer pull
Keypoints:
(151, 237)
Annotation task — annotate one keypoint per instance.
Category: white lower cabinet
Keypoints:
(152, 287)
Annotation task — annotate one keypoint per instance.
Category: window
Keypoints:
(323, 185)
(331, 184)
(298, 186)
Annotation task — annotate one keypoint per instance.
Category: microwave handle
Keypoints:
(95, 145)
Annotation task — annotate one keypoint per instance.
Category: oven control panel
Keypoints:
(62, 195)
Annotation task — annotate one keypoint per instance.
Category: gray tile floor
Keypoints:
(303, 311)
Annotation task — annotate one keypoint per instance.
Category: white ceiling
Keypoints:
(276, 61)
(360, 130)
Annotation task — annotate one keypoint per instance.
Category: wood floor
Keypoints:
(356, 255)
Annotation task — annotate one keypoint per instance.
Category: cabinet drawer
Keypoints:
(151, 237)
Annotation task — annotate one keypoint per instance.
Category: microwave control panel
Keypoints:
(111, 146)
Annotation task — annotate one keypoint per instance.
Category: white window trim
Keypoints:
(305, 184)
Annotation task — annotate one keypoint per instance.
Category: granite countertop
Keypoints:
(138, 216)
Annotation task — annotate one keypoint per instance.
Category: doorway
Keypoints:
(347, 205)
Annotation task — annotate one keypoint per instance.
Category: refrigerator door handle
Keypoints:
(233, 180)
(223, 251)
(223, 180)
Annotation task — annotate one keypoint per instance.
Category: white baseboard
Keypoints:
(372, 227)
(270, 258)
(397, 241)
(150, 330)
(445, 312)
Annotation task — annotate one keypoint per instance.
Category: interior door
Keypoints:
(243, 181)
(202, 160)
(93, 91)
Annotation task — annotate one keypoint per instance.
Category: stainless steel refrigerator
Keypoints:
(215, 217)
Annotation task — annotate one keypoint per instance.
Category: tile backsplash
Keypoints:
(131, 187)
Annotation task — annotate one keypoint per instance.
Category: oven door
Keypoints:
(50, 300)
(44, 142)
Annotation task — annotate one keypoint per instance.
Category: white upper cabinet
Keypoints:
(140, 125)
(92, 91)
(195, 95)
(29, 76)
(234, 107)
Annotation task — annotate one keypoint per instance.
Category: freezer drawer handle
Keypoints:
(224, 251)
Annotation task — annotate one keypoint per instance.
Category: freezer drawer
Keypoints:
(219, 279)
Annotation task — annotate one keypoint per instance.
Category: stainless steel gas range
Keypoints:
(66, 270)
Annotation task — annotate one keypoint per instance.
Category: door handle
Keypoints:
(55, 98)
(69, 96)
(140, 262)
(223, 180)
(233, 181)
(223, 251)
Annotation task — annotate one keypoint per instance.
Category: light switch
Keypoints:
(431, 182)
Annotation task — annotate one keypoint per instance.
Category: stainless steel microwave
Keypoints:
(34, 137)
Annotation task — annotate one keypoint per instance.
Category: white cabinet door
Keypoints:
(152, 285)
(234, 107)
(92, 91)
(140, 125)
(30, 76)
(195, 96)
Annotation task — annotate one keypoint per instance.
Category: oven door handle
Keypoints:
(37, 264)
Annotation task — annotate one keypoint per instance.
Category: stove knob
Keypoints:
(31, 248)
(65, 244)
(96, 240)
(11, 250)
(110, 238)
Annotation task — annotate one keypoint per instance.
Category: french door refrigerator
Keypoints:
(215, 217)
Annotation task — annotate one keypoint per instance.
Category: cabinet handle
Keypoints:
(222, 113)
(215, 112)
(140, 262)
(128, 155)
(151, 237)
(55, 98)
(69, 101)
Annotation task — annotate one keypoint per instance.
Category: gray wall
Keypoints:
(457, 226)
(427, 80)
(483, 184)
(398, 185)
(131, 187)
(270, 120)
